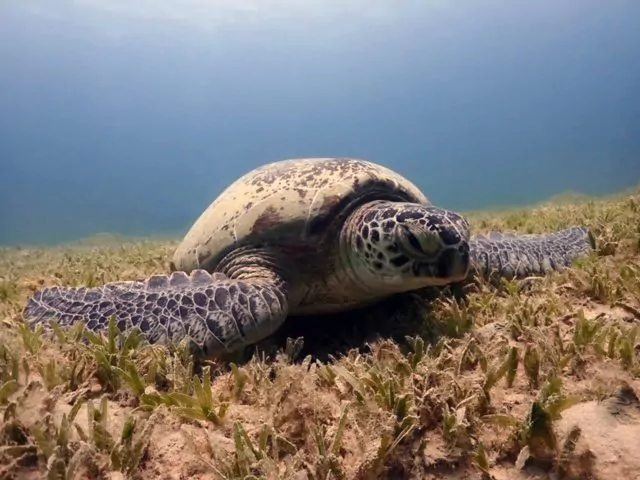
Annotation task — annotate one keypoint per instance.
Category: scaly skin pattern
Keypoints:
(519, 256)
(218, 314)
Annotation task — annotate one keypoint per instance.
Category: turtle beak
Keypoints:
(454, 263)
(451, 266)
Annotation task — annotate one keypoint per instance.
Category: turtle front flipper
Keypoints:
(220, 315)
(518, 256)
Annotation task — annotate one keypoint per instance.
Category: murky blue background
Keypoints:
(130, 117)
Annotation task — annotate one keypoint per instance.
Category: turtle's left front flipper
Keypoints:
(518, 256)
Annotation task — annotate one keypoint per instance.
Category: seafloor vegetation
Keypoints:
(531, 379)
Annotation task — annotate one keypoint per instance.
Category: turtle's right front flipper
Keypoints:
(219, 314)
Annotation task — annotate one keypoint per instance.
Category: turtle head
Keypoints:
(395, 246)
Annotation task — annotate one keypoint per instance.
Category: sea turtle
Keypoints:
(298, 237)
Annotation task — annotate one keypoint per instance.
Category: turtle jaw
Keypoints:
(452, 265)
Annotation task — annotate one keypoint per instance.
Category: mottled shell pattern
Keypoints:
(289, 202)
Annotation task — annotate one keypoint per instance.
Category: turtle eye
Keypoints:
(424, 247)
(430, 244)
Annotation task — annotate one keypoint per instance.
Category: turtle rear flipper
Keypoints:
(518, 256)
(218, 314)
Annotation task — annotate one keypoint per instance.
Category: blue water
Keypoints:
(131, 119)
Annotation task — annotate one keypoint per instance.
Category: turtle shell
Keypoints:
(292, 203)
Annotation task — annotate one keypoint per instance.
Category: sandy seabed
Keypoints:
(532, 379)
